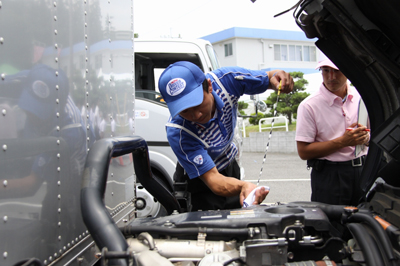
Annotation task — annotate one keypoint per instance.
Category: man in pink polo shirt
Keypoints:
(326, 135)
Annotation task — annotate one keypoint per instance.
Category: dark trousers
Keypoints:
(202, 198)
(337, 184)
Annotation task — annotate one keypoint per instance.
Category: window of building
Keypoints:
(277, 52)
(313, 53)
(306, 53)
(299, 53)
(283, 52)
(228, 49)
(292, 53)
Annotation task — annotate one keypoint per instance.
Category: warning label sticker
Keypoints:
(241, 214)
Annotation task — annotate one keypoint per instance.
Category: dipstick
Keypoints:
(270, 132)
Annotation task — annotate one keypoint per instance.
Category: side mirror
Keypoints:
(258, 106)
(262, 106)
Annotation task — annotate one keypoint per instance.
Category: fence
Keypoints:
(270, 121)
(280, 141)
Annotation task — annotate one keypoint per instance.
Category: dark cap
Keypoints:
(45, 89)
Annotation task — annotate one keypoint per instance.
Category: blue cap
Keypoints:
(181, 85)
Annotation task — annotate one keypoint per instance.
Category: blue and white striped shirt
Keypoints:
(200, 147)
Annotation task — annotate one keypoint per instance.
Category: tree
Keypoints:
(255, 119)
(288, 103)
(242, 105)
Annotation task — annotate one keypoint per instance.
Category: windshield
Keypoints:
(212, 56)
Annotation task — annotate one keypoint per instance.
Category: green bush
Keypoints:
(256, 120)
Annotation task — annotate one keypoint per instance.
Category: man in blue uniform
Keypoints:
(200, 131)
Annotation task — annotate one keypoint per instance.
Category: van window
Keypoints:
(149, 66)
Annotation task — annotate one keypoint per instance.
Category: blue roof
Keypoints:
(257, 34)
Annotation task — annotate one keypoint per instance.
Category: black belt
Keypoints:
(357, 162)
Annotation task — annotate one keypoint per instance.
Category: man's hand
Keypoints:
(228, 186)
(276, 76)
(259, 196)
(356, 136)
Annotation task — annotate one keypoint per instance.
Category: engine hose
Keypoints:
(96, 217)
(334, 212)
(133, 230)
(368, 246)
(379, 232)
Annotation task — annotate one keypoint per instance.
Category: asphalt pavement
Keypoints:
(285, 173)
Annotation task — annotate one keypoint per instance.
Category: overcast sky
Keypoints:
(198, 18)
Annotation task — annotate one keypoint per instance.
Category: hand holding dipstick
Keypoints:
(258, 193)
(250, 199)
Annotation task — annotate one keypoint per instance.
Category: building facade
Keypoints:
(265, 49)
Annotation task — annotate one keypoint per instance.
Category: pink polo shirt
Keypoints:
(322, 116)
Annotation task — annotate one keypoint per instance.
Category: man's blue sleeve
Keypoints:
(239, 81)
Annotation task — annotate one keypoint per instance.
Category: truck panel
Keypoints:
(66, 81)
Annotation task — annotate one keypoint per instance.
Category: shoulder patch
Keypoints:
(198, 159)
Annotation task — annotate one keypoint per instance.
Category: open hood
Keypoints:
(362, 38)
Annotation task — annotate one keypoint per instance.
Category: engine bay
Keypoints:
(296, 233)
(258, 235)
(276, 234)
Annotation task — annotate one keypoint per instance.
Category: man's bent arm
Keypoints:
(315, 150)
(228, 186)
(220, 184)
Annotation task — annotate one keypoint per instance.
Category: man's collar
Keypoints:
(219, 104)
(331, 97)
